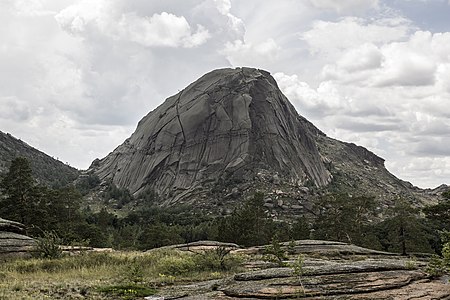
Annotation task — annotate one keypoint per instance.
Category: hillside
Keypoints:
(46, 169)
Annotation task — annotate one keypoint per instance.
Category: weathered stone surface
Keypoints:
(200, 245)
(11, 226)
(334, 284)
(15, 244)
(12, 242)
(318, 247)
(230, 122)
(329, 277)
(328, 268)
(233, 132)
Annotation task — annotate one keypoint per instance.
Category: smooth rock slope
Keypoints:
(230, 122)
(233, 132)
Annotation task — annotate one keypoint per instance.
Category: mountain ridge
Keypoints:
(46, 169)
(257, 141)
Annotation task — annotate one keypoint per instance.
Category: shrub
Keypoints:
(275, 253)
(48, 246)
(217, 259)
(297, 268)
(173, 265)
(439, 266)
(134, 272)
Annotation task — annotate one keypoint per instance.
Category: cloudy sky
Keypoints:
(77, 75)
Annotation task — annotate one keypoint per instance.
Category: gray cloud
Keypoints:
(77, 75)
(436, 146)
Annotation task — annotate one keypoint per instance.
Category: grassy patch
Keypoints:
(101, 275)
(130, 291)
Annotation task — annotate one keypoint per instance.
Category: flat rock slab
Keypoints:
(368, 279)
(323, 285)
(200, 246)
(318, 247)
(11, 226)
(326, 268)
(362, 274)
(13, 243)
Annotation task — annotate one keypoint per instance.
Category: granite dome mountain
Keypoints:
(232, 132)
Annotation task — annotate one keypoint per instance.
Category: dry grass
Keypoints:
(92, 275)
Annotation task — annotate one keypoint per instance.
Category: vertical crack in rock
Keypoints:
(229, 123)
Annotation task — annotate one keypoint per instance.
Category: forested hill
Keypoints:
(46, 169)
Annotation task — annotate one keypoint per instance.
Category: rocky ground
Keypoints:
(330, 270)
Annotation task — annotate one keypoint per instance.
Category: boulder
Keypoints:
(11, 226)
(12, 241)
(14, 244)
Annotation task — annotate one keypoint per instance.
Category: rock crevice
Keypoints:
(227, 119)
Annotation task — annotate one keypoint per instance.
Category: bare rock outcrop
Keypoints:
(364, 274)
(229, 123)
(12, 242)
(232, 132)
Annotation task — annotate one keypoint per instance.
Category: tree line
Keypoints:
(338, 217)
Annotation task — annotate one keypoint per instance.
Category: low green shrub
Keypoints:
(176, 265)
(48, 245)
(217, 259)
(275, 252)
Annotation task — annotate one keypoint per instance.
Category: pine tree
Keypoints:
(344, 218)
(248, 225)
(404, 231)
(19, 193)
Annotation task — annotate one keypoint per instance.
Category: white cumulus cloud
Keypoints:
(345, 5)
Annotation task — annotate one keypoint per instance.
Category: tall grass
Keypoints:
(90, 274)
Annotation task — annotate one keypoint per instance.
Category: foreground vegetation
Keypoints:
(115, 275)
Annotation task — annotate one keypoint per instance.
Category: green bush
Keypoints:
(176, 265)
(275, 253)
(217, 259)
(48, 246)
(439, 266)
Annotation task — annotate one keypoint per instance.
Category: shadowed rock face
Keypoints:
(228, 121)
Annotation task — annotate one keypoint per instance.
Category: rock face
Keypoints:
(232, 132)
(229, 123)
(12, 242)
(334, 271)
